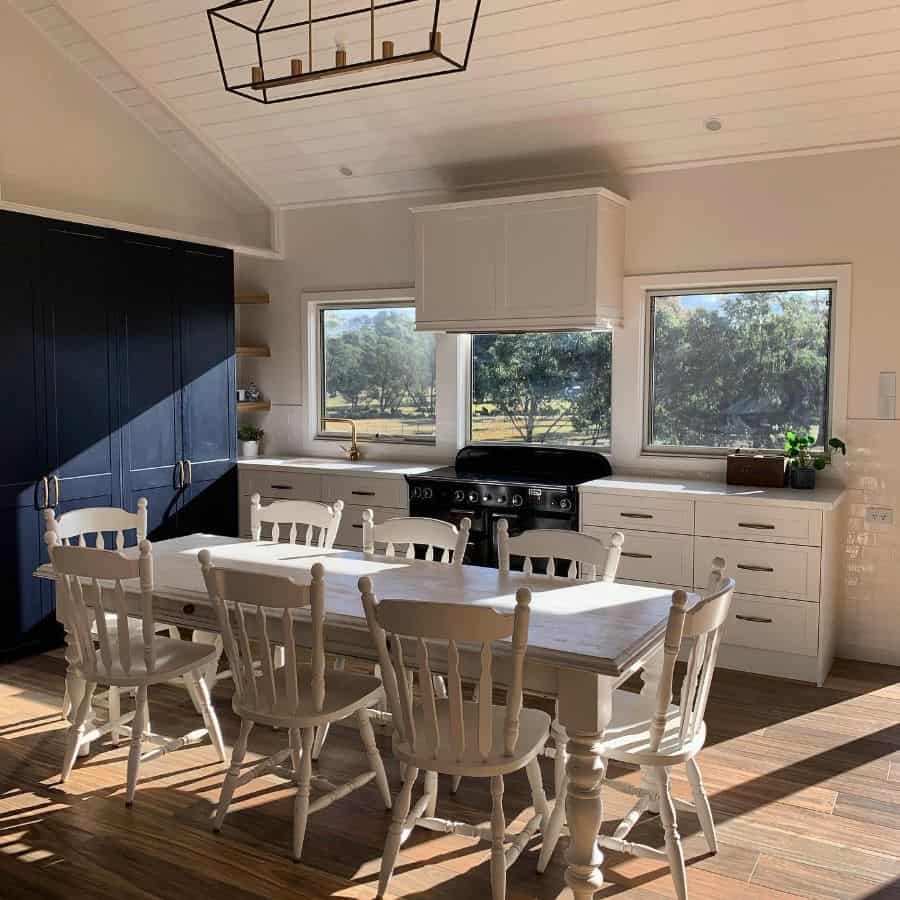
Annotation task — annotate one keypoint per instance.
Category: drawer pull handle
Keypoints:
(281, 487)
(762, 620)
(637, 555)
(355, 525)
(748, 568)
(636, 515)
(761, 526)
(363, 493)
(188, 609)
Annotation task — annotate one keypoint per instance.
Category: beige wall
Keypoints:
(67, 145)
(822, 209)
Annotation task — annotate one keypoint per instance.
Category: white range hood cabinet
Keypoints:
(537, 262)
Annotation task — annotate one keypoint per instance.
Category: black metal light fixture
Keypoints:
(268, 55)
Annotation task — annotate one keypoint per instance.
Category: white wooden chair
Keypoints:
(647, 730)
(588, 558)
(449, 735)
(311, 524)
(84, 527)
(408, 532)
(88, 578)
(254, 610)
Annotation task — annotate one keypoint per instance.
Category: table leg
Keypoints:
(585, 708)
(650, 677)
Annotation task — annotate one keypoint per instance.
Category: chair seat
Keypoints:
(173, 658)
(345, 693)
(627, 737)
(534, 729)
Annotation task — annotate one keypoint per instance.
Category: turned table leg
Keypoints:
(650, 676)
(585, 707)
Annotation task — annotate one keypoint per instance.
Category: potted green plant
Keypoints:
(802, 464)
(249, 437)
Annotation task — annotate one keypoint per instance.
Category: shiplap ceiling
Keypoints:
(554, 87)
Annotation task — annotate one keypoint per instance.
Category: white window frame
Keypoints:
(466, 424)
(448, 352)
(631, 360)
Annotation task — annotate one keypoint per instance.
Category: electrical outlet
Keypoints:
(879, 515)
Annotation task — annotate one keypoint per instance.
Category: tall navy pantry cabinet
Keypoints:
(117, 365)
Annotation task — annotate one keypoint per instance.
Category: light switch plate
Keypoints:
(887, 395)
(879, 515)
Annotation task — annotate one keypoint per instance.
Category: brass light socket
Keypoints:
(435, 41)
(387, 49)
(340, 58)
(256, 74)
(296, 67)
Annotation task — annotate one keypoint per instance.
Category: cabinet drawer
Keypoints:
(648, 557)
(758, 568)
(349, 535)
(638, 513)
(779, 524)
(358, 490)
(771, 623)
(285, 485)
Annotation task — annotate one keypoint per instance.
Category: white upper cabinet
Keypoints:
(545, 261)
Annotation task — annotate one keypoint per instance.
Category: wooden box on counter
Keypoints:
(755, 470)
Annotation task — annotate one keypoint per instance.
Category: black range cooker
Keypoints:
(530, 487)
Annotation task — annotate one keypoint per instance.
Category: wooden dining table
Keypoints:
(585, 639)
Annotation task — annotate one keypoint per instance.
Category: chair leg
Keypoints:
(376, 764)
(304, 741)
(138, 727)
(561, 742)
(210, 719)
(115, 712)
(395, 832)
(234, 772)
(673, 838)
(319, 743)
(66, 703)
(431, 791)
(538, 797)
(454, 783)
(553, 828)
(498, 833)
(701, 802)
(76, 731)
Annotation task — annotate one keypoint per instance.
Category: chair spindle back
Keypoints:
(77, 526)
(90, 588)
(406, 532)
(254, 612)
(398, 626)
(589, 558)
(310, 524)
(703, 626)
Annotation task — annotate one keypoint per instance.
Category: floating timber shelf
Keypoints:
(254, 406)
(246, 350)
(251, 299)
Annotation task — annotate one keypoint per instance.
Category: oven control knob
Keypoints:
(415, 493)
(486, 498)
(459, 496)
(473, 496)
(501, 498)
(517, 500)
(427, 493)
(565, 503)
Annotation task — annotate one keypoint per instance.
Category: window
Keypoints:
(738, 368)
(545, 388)
(377, 369)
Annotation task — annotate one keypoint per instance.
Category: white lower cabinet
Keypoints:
(783, 549)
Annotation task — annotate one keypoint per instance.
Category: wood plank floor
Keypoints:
(804, 783)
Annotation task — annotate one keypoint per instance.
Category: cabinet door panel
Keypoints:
(207, 362)
(26, 611)
(151, 383)
(81, 372)
(211, 506)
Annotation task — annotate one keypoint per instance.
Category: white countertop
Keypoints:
(371, 468)
(825, 496)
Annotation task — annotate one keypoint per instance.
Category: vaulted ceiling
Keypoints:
(554, 87)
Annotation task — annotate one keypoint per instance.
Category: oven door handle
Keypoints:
(504, 515)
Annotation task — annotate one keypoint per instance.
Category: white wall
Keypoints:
(837, 208)
(67, 145)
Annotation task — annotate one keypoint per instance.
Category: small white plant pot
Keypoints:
(248, 449)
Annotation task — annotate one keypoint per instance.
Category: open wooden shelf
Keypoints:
(246, 350)
(254, 406)
(251, 299)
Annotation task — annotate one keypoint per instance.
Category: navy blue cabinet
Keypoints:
(118, 356)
